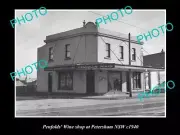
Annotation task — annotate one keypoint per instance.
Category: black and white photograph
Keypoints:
(90, 63)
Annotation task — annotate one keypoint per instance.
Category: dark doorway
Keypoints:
(50, 82)
(127, 79)
(90, 86)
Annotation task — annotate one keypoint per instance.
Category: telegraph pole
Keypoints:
(130, 90)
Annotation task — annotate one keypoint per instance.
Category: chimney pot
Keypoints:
(84, 23)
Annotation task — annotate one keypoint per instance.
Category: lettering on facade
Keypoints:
(88, 66)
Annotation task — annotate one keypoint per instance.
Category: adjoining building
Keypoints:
(25, 86)
(91, 60)
(156, 60)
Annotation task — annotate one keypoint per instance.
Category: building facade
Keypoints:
(156, 60)
(90, 60)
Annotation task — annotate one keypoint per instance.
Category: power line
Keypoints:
(76, 49)
(145, 50)
(136, 55)
(118, 46)
(112, 51)
(124, 23)
(118, 58)
(120, 21)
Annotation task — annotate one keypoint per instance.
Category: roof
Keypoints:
(31, 80)
(19, 83)
(156, 60)
(90, 28)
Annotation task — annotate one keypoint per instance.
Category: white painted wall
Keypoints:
(42, 76)
(101, 86)
(154, 79)
(115, 48)
(124, 82)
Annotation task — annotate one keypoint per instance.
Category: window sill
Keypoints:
(121, 59)
(50, 60)
(67, 58)
(133, 60)
(107, 58)
(63, 90)
(136, 89)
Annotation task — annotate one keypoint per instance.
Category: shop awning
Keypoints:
(102, 66)
(140, 68)
(82, 66)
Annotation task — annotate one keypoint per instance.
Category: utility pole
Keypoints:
(130, 90)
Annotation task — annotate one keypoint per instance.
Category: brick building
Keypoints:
(156, 60)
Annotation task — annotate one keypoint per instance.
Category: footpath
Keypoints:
(88, 107)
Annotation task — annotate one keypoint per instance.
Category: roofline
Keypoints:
(154, 54)
(93, 33)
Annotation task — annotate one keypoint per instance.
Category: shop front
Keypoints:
(95, 78)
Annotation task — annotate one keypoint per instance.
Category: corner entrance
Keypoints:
(90, 82)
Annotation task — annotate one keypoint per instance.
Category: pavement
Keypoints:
(153, 106)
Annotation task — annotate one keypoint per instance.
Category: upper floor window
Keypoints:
(67, 51)
(108, 50)
(133, 54)
(51, 56)
(121, 52)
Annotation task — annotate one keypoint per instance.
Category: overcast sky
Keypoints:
(31, 35)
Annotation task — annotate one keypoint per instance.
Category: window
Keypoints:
(67, 51)
(65, 81)
(136, 80)
(121, 52)
(51, 54)
(108, 49)
(133, 54)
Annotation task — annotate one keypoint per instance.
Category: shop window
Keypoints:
(136, 80)
(65, 80)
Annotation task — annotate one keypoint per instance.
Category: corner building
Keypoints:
(90, 60)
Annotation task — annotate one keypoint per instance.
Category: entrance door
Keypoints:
(127, 80)
(90, 84)
(50, 82)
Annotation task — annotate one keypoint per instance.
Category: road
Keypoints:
(153, 106)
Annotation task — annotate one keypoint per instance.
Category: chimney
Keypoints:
(162, 51)
(84, 23)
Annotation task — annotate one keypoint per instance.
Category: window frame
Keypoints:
(134, 54)
(51, 53)
(121, 51)
(137, 80)
(67, 50)
(65, 74)
(108, 50)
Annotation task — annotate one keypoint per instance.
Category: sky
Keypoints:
(31, 35)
